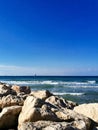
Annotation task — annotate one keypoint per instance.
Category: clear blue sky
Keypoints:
(49, 37)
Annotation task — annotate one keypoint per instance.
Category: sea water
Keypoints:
(81, 89)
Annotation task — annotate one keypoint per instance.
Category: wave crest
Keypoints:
(74, 94)
(50, 82)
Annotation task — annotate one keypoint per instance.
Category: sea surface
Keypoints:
(81, 89)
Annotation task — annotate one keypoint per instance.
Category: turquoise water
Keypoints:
(81, 89)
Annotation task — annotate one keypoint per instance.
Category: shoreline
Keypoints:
(78, 89)
(22, 109)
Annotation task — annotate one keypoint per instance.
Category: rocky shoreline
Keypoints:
(23, 109)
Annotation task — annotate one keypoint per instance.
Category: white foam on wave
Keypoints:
(78, 83)
(31, 82)
(77, 94)
(82, 86)
(50, 82)
(92, 82)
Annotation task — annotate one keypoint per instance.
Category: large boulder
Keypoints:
(90, 110)
(60, 102)
(35, 109)
(42, 94)
(19, 89)
(9, 117)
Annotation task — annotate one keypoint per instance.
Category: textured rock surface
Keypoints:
(48, 125)
(34, 106)
(5, 90)
(90, 110)
(19, 89)
(11, 100)
(9, 117)
(9, 97)
(41, 94)
(35, 109)
(60, 102)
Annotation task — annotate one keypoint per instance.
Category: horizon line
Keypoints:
(53, 75)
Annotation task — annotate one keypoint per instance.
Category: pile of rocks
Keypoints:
(21, 109)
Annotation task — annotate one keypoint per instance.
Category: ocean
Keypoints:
(81, 89)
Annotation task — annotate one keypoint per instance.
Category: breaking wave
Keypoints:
(50, 82)
(77, 94)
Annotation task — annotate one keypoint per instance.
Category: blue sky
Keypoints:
(49, 37)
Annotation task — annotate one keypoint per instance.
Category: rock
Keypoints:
(19, 89)
(90, 110)
(79, 120)
(9, 117)
(96, 128)
(49, 125)
(34, 106)
(11, 100)
(46, 125)
(44, 94)
(22, 95)
(35, 109)
(60, 102)
(5, 90)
